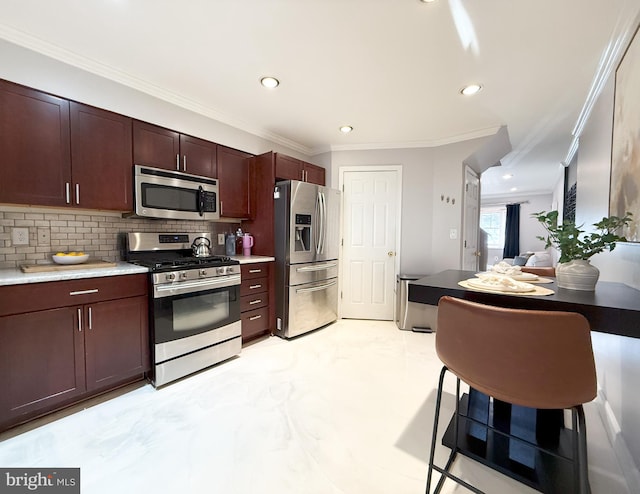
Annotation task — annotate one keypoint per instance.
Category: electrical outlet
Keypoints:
(453, 234)
(20, 236)
(44, 236)
(220, 238)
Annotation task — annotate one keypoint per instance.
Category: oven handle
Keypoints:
(160, 291)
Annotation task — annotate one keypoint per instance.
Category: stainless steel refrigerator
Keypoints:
(307, 231)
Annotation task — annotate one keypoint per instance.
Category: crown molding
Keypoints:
(415, 144)
(111, 73)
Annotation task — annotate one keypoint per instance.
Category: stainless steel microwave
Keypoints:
(175, 195)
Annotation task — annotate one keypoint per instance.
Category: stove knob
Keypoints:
(170, 276)
(220, 270)
(183, 275)
(203, 273)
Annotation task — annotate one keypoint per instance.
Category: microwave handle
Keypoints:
(200, 201)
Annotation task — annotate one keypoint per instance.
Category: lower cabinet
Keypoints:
(255, 306)
(54, 357)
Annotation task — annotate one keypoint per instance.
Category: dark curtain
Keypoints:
(512, 232)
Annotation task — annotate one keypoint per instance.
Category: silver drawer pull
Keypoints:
(255, 270)
(257, 301)
(253, 287)
(84, 292)
(253, 318)
(80, 320)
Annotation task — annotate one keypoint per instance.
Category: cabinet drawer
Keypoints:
(254, 270)
(254, 301)
(257, 285)
(255, 321)
(16, 299)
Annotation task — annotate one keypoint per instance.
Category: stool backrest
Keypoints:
(533, 358)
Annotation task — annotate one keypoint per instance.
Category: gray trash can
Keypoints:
(410, 315)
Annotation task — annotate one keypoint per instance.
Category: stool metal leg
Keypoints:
(435, 428)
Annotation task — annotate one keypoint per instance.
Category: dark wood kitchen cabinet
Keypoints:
(163, 148)
(35, 147)
(101, 159)
(61, 342)
(256, 292)
(61, 153)
(288, 168)
(234, 183)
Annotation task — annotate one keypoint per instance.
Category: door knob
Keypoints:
(391, 253)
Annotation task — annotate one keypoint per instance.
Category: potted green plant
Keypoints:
(574, 270)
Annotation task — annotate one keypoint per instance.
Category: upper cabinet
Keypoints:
(164, 148)
(35, 147)
(288, 168)
(234, 183)
(61, 153)
(101, 159)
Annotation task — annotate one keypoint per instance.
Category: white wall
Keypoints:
(617, 358)
(427, 174)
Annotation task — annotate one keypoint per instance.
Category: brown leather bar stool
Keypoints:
(540, 271)
(531, 358)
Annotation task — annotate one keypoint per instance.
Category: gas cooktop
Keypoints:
(158, 264)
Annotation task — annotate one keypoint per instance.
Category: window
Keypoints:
(492, 221)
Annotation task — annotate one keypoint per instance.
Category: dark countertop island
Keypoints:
(613, 308)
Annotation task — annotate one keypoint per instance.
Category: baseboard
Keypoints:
(612, 427)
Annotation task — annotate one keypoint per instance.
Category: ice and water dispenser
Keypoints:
(302, 239)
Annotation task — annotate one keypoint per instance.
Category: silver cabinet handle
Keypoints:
(253, 318)
(255, 270)
(80, 320)
(178, 162)
(77, 193)
(256, 301)
(90, 321)
(84, 292)
(67, 187)
(253, 287)
(184, 162)
(220, 207)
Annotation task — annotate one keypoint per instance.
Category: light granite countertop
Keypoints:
(17, 277)
(251, 259)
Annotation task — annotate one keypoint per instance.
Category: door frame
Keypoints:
(371, 168)
(466, 219)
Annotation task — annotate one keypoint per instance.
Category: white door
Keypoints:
(371, 207)
(471, 220)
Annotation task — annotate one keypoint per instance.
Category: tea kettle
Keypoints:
(202, 248)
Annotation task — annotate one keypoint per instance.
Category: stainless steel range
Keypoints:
(194, 306)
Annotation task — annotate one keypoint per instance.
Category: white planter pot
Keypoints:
(578, 274)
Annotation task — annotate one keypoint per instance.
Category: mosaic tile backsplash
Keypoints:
(99, 234)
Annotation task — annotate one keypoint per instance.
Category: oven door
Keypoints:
(180, 312)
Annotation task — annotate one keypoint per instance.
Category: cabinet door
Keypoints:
(116, 341)
(314, 174)
(101, 157)
(41, 361)
(198, 156)
(288, 168)
(155, 146)
(233, 176)
(34, 145)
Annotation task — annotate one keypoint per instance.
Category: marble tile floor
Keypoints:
(344, 410)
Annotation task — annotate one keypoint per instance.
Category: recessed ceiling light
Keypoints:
(427, 1)
(507, 176)
(513, 189)
(471, 89)
(345, 129)
(270, 82)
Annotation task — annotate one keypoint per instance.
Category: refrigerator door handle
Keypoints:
(323, 223)
(316, 288)
(322, 267)
(317, 236)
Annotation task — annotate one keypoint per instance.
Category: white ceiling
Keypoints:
(391, 68)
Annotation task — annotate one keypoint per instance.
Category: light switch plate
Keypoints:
(20, 236)
(453, 233)
(44, 236)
